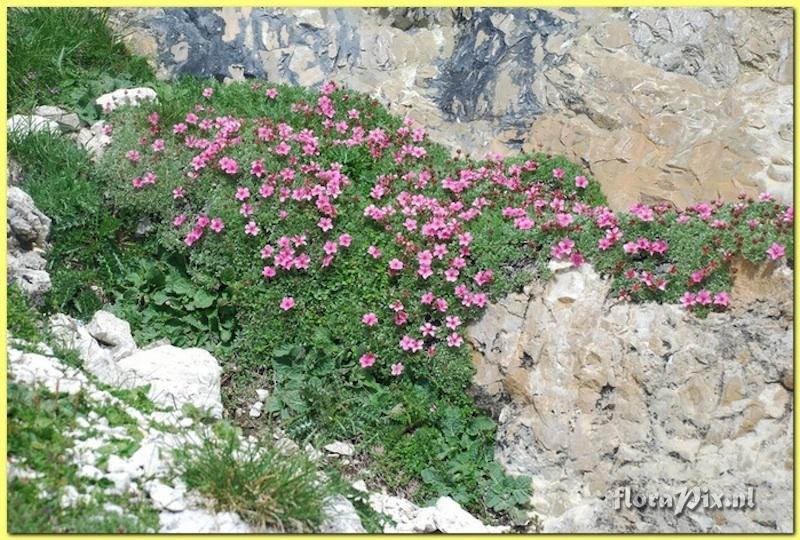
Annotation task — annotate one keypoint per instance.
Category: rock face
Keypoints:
(27, 229)
(176, 376)
(659, 104)
(593, 397)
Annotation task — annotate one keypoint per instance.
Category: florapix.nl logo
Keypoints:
(686, 498)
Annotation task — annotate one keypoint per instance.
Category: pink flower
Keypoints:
(330, 248)
(228, 165)
(257, 168)
(581, 182)
(208, 92)
(217, 225)
(454, 340)
(267, 251)
(395, 265)
(451, 274)
(252, 229)
(427, 298)
(776, 251)
(345, 240)
(370, 319)
(428, 329)
(697, 276)
(409, 344)
(400, 318)
(452, 322)
(268, 272)
(703, 297)
(203, 221)
(558, 172)
(325, 224)
(688, 299)
(242, 193)
(367, 360)
(158, 145)
(564, 220)
(562, 249)
(271, 93)
(722, 299)
(179, 220)
(287, 303)
(132, 155)
(246, 209)
(397, 369)
(374, 252)
(178, 192)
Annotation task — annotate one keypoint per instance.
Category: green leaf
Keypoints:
(203, 299)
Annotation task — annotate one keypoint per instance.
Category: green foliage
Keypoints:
(161, 300)
(67, 57)
(264, 486)
(39, 426)
(23, 320)
(90, 246)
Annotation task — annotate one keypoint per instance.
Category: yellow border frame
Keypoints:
(349, 3)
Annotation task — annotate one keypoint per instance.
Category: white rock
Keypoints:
(113, 509)
(201, 521)
(27, 124)
(117, 464)
(110, 330)
(97, 360)
(360, 485)
(176, 377)
(147, 458)
(262, 394)
(21, 472)
(122, 483)
(66, 120)
(165, 497)
(340, 448)
(451, 518)
(94, 139)
(69, 497)
(31, 368)
(341, 517)
(186, 422)
(255, 410)
(125, 96)
(91, 472)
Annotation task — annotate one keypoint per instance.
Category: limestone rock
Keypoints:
(176, 377)
(113, 332)
(24, 125)
(27, 231)
(595, 396)
(201, 521)
(32, 368)
(67, 121)
(341, 517)
(125, 96)
(340, 448)
(94, 139)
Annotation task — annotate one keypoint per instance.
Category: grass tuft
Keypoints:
(265, 486)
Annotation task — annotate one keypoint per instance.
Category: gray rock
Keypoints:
(24, 125)
(113, 332)
(676, 104)
(596, 396)
(341, 517)
(66, 120)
